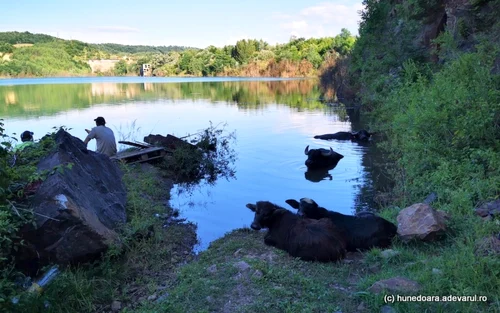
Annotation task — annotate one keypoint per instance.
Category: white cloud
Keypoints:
(295, 25)
(320, 20)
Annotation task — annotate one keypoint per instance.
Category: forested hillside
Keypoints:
(42, 55)
(427, 73)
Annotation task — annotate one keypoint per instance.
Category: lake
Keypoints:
(273, 121)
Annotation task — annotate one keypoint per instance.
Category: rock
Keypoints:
(116, 306)
(389, 253)
(212, 269)
(395, 285)
(430, 198)
(170, 142)
(387, 309)
(420, 221)
(152, 297)
(487, 246)
(257, 274)
(361, 306)
(242, 265)
(437, 271)
(78, 206)
(483, 212)
(238, 252)
(489, 208)
(162, 297)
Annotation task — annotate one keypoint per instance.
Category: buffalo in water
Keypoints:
(321, 158)
(361, 135)
(307, 239)
(360, 232)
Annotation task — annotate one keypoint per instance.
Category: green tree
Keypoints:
(121, 68)
(243, 50)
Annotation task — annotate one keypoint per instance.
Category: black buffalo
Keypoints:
(321, 158)
(360, 232)
(307, 239)
(361, 135)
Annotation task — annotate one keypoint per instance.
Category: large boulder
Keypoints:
(420, 221)
(78, 206)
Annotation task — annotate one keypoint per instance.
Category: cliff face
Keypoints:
(428, 32)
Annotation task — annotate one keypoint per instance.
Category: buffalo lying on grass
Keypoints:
(321, 158)
(308, 239)
(360, 232)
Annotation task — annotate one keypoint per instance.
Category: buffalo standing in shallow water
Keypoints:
(361, 135)
(308, 239)
(360, 232)
(321, 158)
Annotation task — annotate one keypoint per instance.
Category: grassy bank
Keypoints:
(153, 243)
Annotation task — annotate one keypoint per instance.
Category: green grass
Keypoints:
(448, 267)
(141, 266)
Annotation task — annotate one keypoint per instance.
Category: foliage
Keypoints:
(25, 37)
(114, 48)
(46, 59)
(121, 68)
(17, 171)
(6, 48)
(211, 157)
(299, 57)
(444, 132)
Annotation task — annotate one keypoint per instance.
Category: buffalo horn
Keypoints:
(328, 153)
(306, 151)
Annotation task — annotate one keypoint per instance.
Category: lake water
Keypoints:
(273, 120)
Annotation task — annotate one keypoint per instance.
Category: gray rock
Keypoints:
(387, 309)
(212, 269)
(257, 274)
(420, 221)
(389, 253)
(488, 246)
(152, 297)
(162, 297)
(116, 306)
(395, 285)
(78, 206)
(430, 198)
(242, 265)
(489, 208)
(437, 271)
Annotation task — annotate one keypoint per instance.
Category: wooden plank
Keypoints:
(135, 144)
(137, 153)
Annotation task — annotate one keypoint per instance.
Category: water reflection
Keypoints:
(26, 100)
(273, 121)
(318, 175)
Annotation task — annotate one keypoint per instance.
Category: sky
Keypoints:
(193, 23)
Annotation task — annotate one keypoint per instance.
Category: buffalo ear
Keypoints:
(293, 203)
(252, 207)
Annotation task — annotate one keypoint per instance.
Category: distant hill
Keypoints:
(25, 37)
(112, 48)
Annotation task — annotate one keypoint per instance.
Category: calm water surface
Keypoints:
(273, 120)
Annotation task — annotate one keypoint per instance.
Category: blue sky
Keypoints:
(193, 23)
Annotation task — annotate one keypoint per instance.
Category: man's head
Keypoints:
(27, 136)
(100, 121)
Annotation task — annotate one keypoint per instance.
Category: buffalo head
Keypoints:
(321, 158)
(263, 212)
(362, 135)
